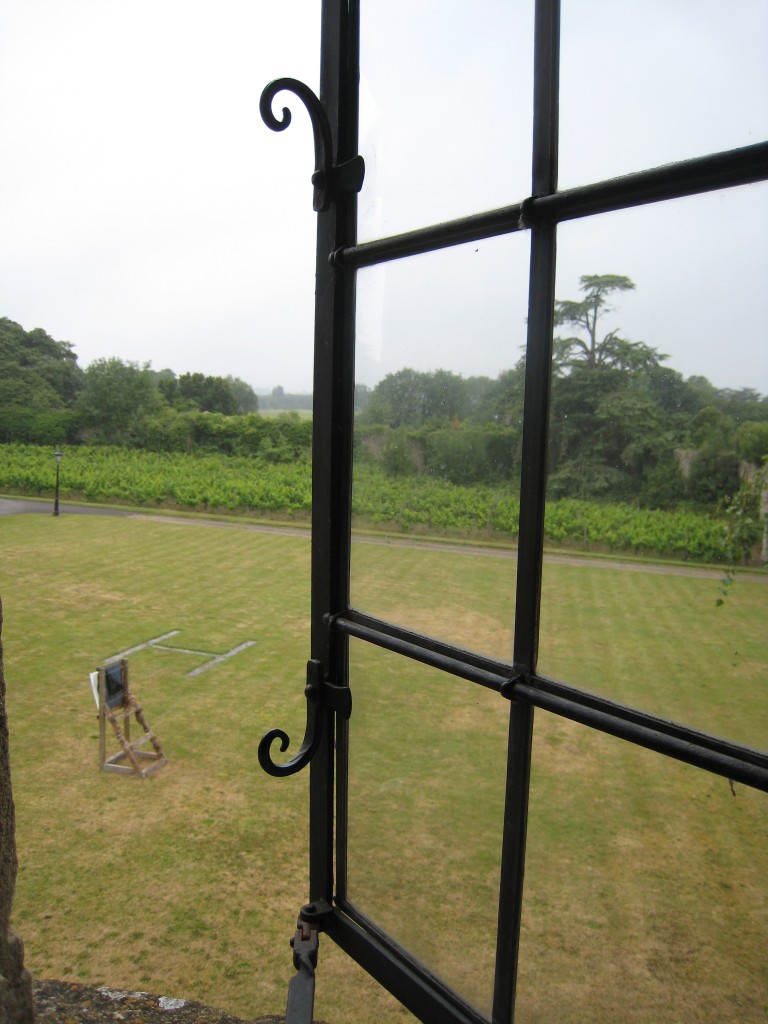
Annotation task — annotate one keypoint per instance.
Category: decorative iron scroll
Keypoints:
(312, 692)
(328, 178)
(321, 695)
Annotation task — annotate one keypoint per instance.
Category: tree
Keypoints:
(244, 395)
(36, 371)
(398, 400)
(412, 398)
(594, 350)
(752, 442)
(210, 394)
(504, 398)
(714, 476)
(445, 397)
(116, 399)
(711, 427)
(362, 394)
(397, 458)
(617, 413)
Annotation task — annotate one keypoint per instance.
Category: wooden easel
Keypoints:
(117, 705)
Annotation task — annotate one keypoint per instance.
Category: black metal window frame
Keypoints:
(337, 178)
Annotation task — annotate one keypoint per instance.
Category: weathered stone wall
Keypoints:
(16, 1005)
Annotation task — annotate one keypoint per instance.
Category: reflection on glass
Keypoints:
(657, 427)
(437, 433)
(647, 83)
(645, 895)
(426, 795)
(448, 133)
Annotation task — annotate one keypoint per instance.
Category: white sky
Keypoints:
(147, 213)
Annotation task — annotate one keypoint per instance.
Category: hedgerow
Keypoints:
(421, 502)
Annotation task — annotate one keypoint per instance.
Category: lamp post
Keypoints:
(57, 456)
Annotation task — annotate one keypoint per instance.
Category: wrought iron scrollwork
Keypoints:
(313, 693)
(321, 695)
(328, 178)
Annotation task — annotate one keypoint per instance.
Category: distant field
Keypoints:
(646, 899)
(303, 414)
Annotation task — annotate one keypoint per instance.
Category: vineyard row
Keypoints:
(219, 483)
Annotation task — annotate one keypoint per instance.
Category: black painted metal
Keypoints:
(717, 755)
(671, 181)
(455, 663)
(322, 695)
(654, 723)
(738, 764)
(337, 177)
(533, 478)
(437, 236)
(420, 991)
(314, 692)
(333, 416)
(329, 178)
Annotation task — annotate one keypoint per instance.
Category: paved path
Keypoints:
(10, 506)
(13, 506)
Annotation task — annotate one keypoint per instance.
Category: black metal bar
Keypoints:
(671, 181)
(736, 769)
(669, 737)
(383, 628)
(683, 733)
(341, 441)
(533, 472)
(57, 456)
(427, 655)
(420, 991)
(437, 236)
(332, 415)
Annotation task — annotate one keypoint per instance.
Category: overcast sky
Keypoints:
(147, 213)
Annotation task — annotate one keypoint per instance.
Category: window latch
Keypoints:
(329, 179)
(321, 695)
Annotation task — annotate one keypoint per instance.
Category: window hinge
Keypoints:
(301, 989)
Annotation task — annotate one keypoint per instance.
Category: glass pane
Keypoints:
(645, 898)
(437, 434)
(445, 110)
(427, 766)
(647, 82)
(161, 213)
(654, 462)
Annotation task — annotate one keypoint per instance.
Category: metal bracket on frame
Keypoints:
(328, 178)
(301, 988)
(321, 695)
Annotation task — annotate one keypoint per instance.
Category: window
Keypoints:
(421, 832)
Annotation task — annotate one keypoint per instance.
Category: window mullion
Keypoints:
(333, 391)
(532, 488)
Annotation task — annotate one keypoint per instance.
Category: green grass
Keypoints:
(645, 893)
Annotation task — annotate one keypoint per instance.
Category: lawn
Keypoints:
(645, 894)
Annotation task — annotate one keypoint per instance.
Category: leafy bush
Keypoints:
(422, 502)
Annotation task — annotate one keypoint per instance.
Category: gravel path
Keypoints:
(13, 506)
